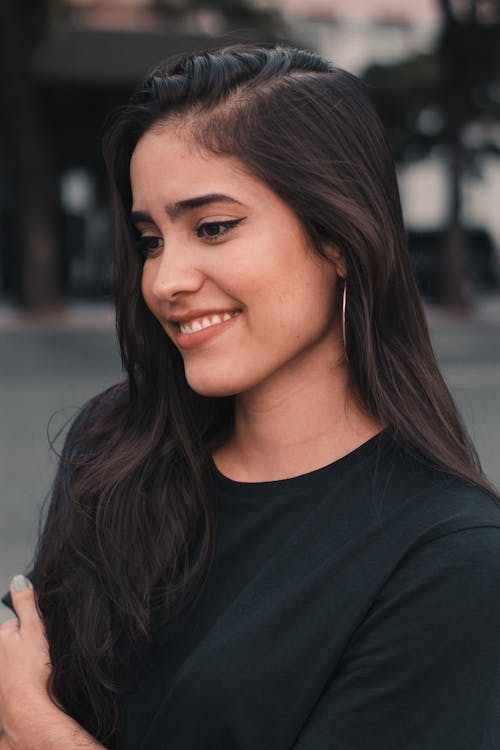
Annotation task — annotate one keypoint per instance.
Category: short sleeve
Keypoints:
(422, 671)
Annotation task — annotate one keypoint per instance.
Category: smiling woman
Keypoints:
(275, 533)
(278, 335)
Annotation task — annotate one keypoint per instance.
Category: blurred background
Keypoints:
(433, 71)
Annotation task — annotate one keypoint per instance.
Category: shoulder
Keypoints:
(414, 503)
(442, 536)
(90, 415)
(100, 404)
(449, 585)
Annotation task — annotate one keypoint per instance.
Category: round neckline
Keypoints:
(300, 482)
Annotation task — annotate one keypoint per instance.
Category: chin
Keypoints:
(215, 391)
(213, 386)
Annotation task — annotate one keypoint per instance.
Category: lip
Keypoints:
(190, 340)
(199, 313)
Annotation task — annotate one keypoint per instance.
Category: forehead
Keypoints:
(168, 167)
(164, 158)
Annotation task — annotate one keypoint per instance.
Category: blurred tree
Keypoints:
(447, 100)
(27, 153)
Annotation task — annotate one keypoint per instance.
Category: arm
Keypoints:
(423, 668)
(30, 719)
(42, 726)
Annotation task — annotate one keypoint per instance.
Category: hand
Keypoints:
(31, 719)
(24, 659)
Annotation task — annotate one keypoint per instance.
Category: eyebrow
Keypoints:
(174, 210)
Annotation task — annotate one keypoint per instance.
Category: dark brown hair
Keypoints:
(130, 525)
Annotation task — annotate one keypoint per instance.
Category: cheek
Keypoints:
(146, 287)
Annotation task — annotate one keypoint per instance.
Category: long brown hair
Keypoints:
(130, 525)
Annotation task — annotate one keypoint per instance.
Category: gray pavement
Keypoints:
(49, 367)
(47, 370)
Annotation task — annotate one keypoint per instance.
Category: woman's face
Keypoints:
(228, 270)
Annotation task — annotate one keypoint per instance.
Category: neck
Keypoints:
(294, 425)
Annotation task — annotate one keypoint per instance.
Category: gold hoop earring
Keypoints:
(344, 304)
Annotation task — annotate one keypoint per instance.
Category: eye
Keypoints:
(213, 230)
(148, 244)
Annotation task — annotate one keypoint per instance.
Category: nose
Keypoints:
(173, 274)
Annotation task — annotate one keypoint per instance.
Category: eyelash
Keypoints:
(143, 242)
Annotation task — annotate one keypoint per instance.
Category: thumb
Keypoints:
(23, 599)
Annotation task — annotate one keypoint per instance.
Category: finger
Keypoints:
(23, 599)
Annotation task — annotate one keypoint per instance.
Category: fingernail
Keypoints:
(20, 582)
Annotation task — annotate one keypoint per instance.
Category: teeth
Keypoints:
(205, 322)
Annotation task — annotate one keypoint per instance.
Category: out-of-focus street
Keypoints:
(45, 374)
(469, 356)
(48, 371)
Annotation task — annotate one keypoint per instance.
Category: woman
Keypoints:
(276, 533)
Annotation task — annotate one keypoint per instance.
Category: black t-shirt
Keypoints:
(354, 607)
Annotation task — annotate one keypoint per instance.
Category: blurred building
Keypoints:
(91, 57)
(97, 51)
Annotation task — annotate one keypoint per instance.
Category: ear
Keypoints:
(338, 259)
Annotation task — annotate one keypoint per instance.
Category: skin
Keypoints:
(283, 357)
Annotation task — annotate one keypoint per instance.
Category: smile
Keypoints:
(198, 324)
